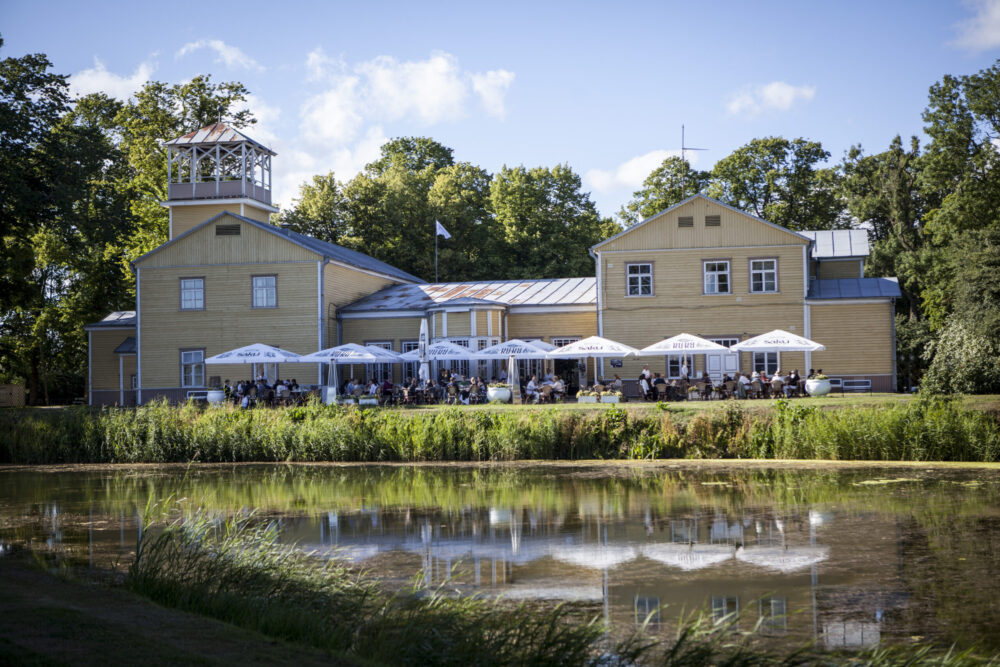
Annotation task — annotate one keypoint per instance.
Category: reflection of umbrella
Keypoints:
(688, 556)
(783, 559)
(594, 556)
(682, 344)
(254, 354)
(777, 341)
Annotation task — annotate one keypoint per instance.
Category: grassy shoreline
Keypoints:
(900, 428)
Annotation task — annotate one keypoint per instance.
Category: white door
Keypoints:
(723, 363)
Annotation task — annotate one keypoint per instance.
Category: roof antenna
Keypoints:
(684, 149)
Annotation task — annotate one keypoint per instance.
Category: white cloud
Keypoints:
(631, 173)
(99, 80)
(384, 89)
(230, 56)
(491, 88)
(982, 31)
(774, 96)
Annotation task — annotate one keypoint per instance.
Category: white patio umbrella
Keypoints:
(424, 372)
(539, 343)
(688, 556)
(513, 347)
(596, 347)
(778, 341)
(441, 351)
(254, 354)
(514, 380)
(783, 559)
(682, 344)
(350, 353)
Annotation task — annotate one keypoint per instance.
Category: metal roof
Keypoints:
(127, 346)
(216, 133)
(838, 243)
(550, 292)
(854, 288)
(119, 318)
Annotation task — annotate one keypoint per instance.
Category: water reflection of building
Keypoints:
(778, 571)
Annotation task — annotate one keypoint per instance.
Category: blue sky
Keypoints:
(603, 87)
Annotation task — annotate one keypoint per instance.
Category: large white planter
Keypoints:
(347, 401)
(586, 399)
(501, 394)
(610, 399)
(372, 401)
(215, 396)
(817, 387)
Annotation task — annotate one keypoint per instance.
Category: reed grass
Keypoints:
(928, 429)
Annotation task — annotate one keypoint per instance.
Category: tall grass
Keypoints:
(926, 429)
(234, 569)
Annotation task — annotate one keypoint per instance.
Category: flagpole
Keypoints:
(435, 252)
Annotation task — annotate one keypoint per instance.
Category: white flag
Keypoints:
(441, 231)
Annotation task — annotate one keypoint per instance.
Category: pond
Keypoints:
(848, 556)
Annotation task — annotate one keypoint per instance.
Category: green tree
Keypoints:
(319, 211)
(548, 223)
(781, 181)
(460, 199)
(673, 181)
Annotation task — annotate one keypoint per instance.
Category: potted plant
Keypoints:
(498, 391)
(346, 399)
(818, 385)
(586, 396)
(368, 400)
(610, 397)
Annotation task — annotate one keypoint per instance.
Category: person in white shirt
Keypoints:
(743, 385)
(373, 389)
(646, 374)
(531, 390)
(684, 370)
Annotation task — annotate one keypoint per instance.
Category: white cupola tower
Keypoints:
(216, 169)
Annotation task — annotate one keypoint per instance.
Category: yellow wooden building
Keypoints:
(226, 278)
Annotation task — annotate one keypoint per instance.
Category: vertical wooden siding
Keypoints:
(858, 338)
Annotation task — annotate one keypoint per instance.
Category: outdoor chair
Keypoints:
(756, 389)
(705, 390)
(776, 386)
(729, 389)
(452, 395)
(546, 396)
(662, 391)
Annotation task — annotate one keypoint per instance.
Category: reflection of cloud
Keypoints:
(774, 96)
(99, 80)
(229, 55)
(982, 31)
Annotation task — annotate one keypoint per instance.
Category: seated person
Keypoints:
(742, 385)
(645, 387)
(372, 388)
(531, 389)
(792, 386)
(558, 386)
(616, 384)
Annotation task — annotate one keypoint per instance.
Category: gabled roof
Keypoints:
(117, 320)
(682, 203)
(127, 346)
(854, 288)
(838, 243)
(216, 133)
(550, 292)
(322, 248)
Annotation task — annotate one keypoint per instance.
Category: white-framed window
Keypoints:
(562, 342)
(763, 275)
(676, 363)
(192, 368)
(723, 606)
(411, 369)
(647, 609)
(192, 294)
(773, 613)
(265, 291)
(640, 279)
(379, 372)
(765, 362)
(716, 273)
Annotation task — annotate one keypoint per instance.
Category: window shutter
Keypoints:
(685, 221)
(227, 230)
(713, 220)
